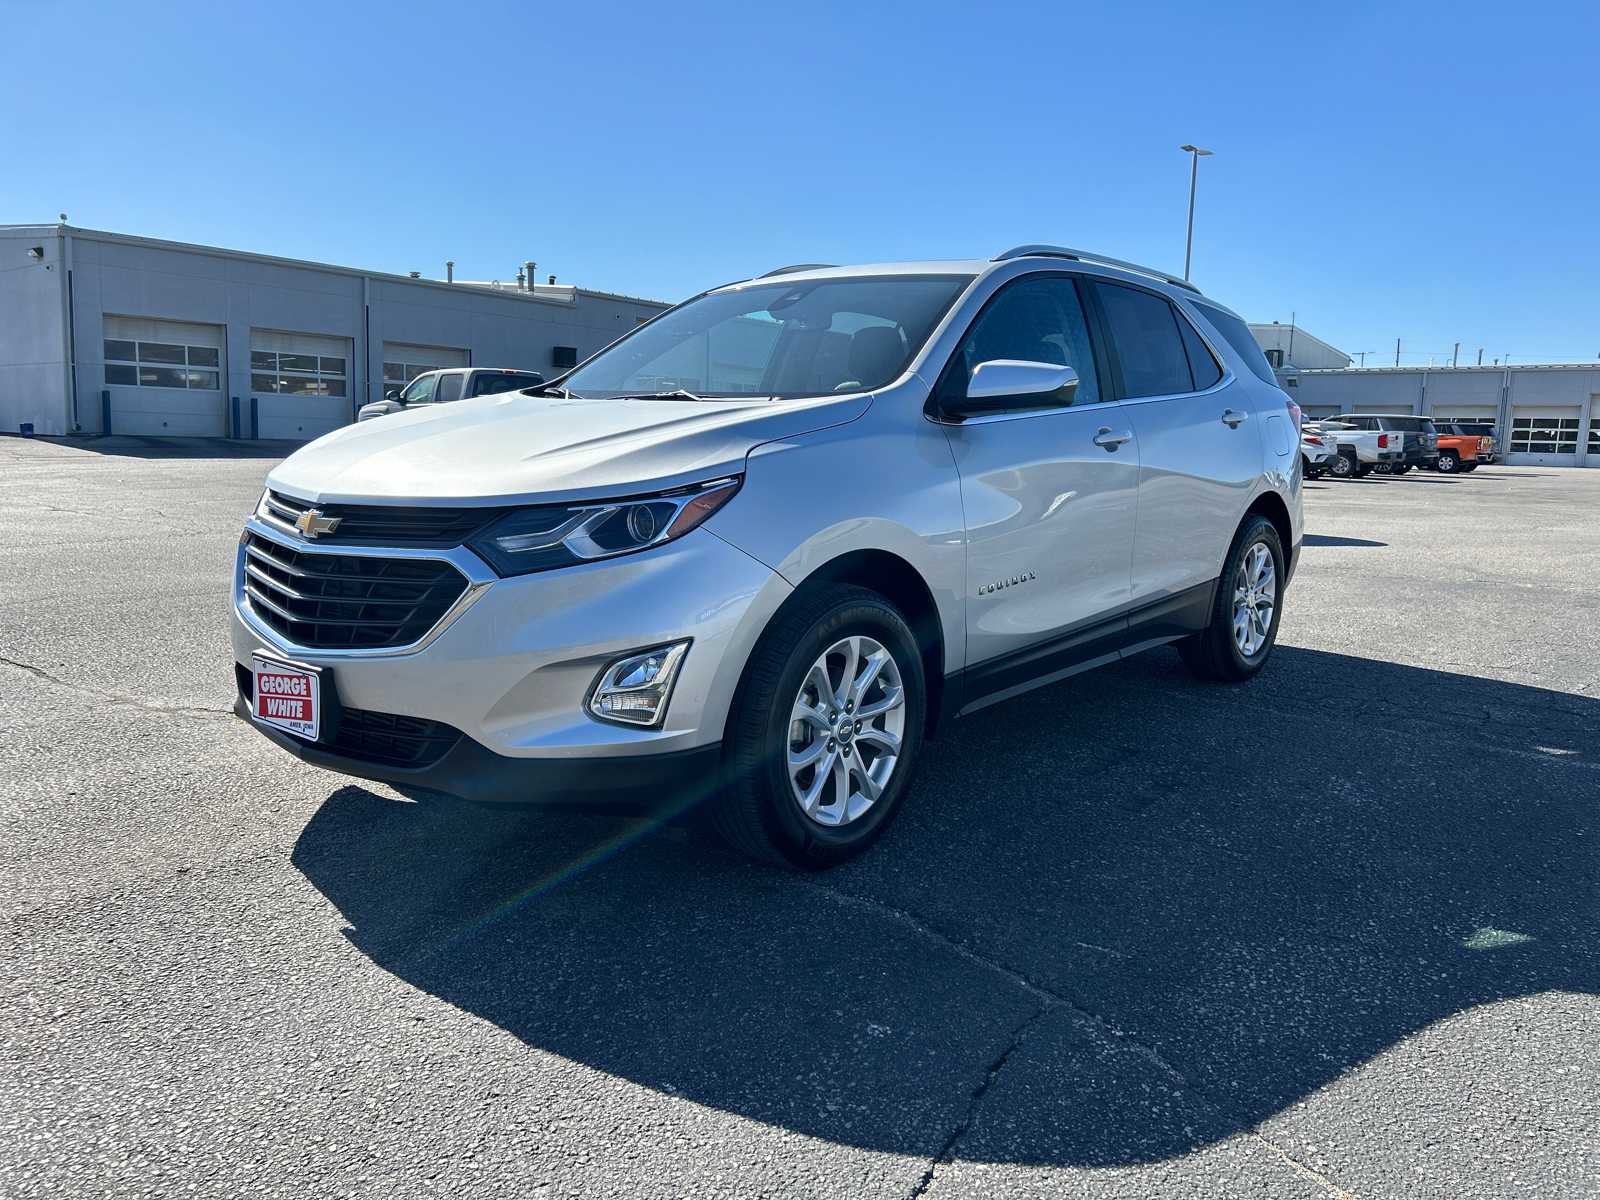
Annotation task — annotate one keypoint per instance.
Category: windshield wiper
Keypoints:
(679, 394)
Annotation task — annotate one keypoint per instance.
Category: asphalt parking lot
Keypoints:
(1331, 933)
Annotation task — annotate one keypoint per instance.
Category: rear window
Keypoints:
(1237, 334)
(493, 385)
(1406, 424)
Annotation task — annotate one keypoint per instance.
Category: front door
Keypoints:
(1049, 497)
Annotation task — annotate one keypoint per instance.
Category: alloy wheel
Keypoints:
(1255, 594)
(845, 731)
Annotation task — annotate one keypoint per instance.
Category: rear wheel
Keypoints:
(1468, 468)
(1344, 465)
(1237, 641)
(1449, 462)
(825, 731)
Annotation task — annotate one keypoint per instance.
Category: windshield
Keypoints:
(809, 337)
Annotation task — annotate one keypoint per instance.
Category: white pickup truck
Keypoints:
(1357, 451)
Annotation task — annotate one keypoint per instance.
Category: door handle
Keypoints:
(1112, 440)
(1232, 419)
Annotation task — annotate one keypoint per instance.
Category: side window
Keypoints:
(1033, 320)
(450, 387)
(1202, 363)
(420, 390)
(1146, 341)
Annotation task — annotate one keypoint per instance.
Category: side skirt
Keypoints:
(1154, 624)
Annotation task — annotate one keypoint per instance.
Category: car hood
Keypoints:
(512, 448)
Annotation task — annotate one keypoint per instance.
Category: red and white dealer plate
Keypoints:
(287, 697)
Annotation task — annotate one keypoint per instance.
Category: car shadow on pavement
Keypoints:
(120, 445)
(1120, 917)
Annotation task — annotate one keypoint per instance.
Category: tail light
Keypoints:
(1294, 415)
(1383, 441)
(1315, 441)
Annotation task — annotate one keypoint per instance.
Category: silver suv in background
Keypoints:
(755, 553)
(441, 387)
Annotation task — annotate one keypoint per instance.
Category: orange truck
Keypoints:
(1463, 446)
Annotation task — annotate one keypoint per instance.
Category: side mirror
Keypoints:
(1014, 385)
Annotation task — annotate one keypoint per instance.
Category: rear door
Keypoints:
(1200, 455)
(1049, 495)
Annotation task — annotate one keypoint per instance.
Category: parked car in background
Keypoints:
(441, 387)
(1357, 451)
(1419, 447)
(1316, 454)
(759, 578)
(1463, 445)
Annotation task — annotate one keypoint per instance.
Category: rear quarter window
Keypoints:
(1237, 334)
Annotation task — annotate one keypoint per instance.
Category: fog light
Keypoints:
(635, 690)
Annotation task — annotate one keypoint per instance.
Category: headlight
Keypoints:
(542, 539)
(635, 690)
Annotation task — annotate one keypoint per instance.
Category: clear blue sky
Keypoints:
(1422, 171)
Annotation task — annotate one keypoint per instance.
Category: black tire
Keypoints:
(1363, 470)
(1215, 653)
(1344, 465)
(1449, 462)
(1469, 468)
(756, 808)
(1400, 468)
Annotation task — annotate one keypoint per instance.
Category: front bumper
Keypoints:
(636, 784)
(512, 666)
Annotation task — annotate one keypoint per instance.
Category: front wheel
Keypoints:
(1243, 628)
(825, 731)
(1449, 462)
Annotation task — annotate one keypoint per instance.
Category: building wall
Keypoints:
(166, 281)
(33, 367)
(1544, 415)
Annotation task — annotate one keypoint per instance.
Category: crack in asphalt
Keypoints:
(171, 710)
(1048, 1001)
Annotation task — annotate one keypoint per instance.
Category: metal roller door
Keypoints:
(299, 383)
(164, 377)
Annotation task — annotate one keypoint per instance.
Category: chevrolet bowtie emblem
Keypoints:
(312, 522)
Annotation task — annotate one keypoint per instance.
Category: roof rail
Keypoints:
(1087, 256)
(798, 267)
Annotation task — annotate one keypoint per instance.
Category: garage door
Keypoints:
(1543, 436)
(165, 377)
(300, 383)
(402, 362)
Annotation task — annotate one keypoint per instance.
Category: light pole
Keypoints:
(1194, 172)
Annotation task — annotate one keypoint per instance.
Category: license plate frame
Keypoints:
(286, 703)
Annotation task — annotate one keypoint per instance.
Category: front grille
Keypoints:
(384, 524)
(345, 602)
(392, 740)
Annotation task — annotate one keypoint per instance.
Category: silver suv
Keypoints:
(753, 554)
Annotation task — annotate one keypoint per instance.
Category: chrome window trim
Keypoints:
(991, 418)
(1227, 378)
(479, 579)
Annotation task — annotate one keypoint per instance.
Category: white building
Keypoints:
(1291, 346)
(164, 338)
(1545, 415)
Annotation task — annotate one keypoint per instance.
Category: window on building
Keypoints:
(1544, 435)
(562, 357)
(402, 363)
(285, 374)
(131, 363)
(1594, 435)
